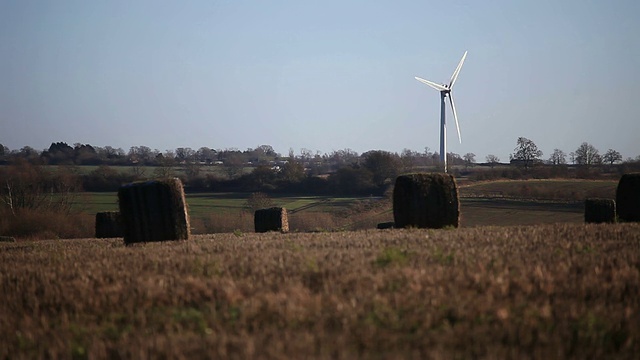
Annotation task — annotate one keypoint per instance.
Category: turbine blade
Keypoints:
(455, 116)
(432, 84)
(454, 77)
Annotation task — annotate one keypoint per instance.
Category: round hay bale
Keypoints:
(154, 211)
(426, 201)
(599, 211)
(386, 225)
(628, 197)
(108, 225)
(271, 219)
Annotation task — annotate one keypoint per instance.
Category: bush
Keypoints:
(46, 224)
(27, 186)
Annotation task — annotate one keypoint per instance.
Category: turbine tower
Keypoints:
(445, 91)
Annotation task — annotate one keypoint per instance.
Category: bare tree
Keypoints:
(492, 160)
(526, 152)
(27, 186)
(192, 170)
(165, 164)
(611, 157)
(408, 159)
(558, 157)
(233, 165)
(138, 170)
(341, 158)
(469, 159)
(206, 155)
(305, 155)
(185, 155)
(587, 155)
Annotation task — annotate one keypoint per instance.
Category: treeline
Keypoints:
(61, 153)
(233, 160)
(372, 176)
(341, 172)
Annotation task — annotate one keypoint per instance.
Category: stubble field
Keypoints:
(547, 291)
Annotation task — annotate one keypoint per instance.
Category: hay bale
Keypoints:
(599, 211)
(426, 201)
(628, 197)
(154, 211)
(386, 225)
(7, 239)
(108, 225)
(271, 219)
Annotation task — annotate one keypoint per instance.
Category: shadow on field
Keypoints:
(506, 212)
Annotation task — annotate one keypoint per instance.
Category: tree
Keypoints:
(262, 154)
(165, 164)
(105, 178)
(108, 153)
(192, 170)
(28, 153)
(233, 164)
(611, 157)
(408, 159)
(526, 152)
(185, 155)
(206, 155)
(59, 153)
(142, 154)
(587, 155)
(429, 158)
(558, 157)
(85, 154)
(383, 165)
(292, 170)
(138, 171)
(3, 150)
(469, 158)
(261, 178)
(340, 158)
(353, 180)
(492, 160)
(27, 186)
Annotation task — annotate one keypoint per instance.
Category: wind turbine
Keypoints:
(445, 91)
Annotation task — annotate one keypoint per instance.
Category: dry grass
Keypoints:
(559, 291)
(46, 224)
(556, 190)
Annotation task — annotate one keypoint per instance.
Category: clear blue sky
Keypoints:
(324, 76)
